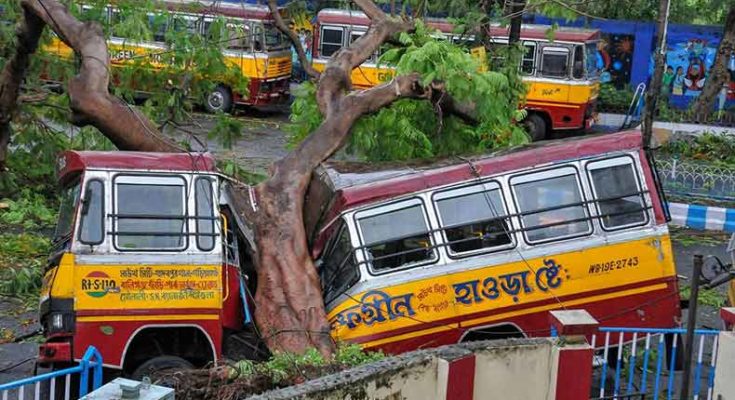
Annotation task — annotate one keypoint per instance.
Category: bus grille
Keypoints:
(278, 67)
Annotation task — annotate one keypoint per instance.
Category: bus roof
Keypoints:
(339, 186)
(340, 16)
(238, 10)
(73, 162)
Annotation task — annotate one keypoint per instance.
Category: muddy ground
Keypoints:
(263, 141)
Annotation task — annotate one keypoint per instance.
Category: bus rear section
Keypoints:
(483, 249)
(145, 266)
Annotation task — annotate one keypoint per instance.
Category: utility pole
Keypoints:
(654, 90)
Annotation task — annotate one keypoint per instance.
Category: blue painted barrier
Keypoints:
(702, 217)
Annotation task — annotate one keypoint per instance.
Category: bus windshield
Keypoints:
(274, 39)
(69, 199)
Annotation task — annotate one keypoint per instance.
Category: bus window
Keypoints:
(554, 61)
(186, 23)
(142, 224)
(617, 192)
(593, 60)
(204, 214)
(578, 64)
(354, 35)
(338, 270)
(69, 198)
(274, 39)
(528, 63)
(158, 24)
(551, 205)
(396, 236)
(92, 226)
(331, 39)
(258, 37)
(471, 218)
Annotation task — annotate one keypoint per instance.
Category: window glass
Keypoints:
(619, 200)
(561, 193)
(274, 39)
(578, 65)
(339, 270)
(554, 62)
(528, 62)
(158, 24)
(331, 41)
(146, 224)
(593, 60)
(396, 238)
(69, 198)
(205, 214)
(182, 23)
(258, 37)
(234, 34)
(470, 220)
(93, 219)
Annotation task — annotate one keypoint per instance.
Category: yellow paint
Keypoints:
(561, 92)
(435, 299)
(187, 317)
(59, 281)
(366, 75)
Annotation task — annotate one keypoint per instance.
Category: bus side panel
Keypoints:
(232, 311)
(607, 274)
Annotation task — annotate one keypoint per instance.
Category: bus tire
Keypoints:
(219, 100)
(535, 125)
(160, 364)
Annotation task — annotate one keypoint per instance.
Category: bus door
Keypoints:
(555, 67)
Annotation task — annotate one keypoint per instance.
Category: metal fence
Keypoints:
(37, 384)
(641, 363)
(696, 179)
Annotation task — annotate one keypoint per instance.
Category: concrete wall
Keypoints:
(522, 369)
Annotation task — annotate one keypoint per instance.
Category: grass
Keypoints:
(22, 258)
(709, 297)
(689, 237)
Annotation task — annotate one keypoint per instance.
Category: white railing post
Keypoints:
(724, 385)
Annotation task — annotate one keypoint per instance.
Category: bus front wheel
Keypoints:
(535, 125)
(219, 100)
(158, 365)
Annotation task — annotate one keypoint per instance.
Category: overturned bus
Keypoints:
(151, 262)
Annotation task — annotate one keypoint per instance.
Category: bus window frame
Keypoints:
(553, 172)
(554, 48)
(335, 28)
(579, 47)
(82, 216)
(113, 226)
(467, 189)
(534, 60)
(343, 226)
(392, 206)
(614, 161)
(213, 218)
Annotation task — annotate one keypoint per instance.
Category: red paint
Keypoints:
(277, 93)
(652, 309)
(72, 162)
(239, 10)
(231, 313)
(574, 374)
(90, 333)
(54, 352)
(461, 378)
(147, 311)
(562, 116)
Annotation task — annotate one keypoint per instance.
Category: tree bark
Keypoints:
(516, 20)
(718, 75)
(654, 90)
(300, 53)
(28, 33)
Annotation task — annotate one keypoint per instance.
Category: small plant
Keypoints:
(707, 297)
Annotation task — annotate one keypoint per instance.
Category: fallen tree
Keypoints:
(289, 310)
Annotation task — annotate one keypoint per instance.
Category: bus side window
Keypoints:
(93, 221)
(158, 24)
(551, 205)
(578, 65)
(472, 218)
(554, 62)
(618, 196)
(338, 271)
(332, 39)
(204, 214)
(396, 236)
(528, 63)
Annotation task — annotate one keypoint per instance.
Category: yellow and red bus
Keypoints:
(253, 45)
(409, 256)
(561, 75)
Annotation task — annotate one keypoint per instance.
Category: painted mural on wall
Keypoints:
(689, 60)
(615, 58)
(301, 24)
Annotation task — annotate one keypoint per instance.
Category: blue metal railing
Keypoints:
(92, 360)
(650, 379)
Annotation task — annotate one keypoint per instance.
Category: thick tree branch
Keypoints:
(90, 100)
(28, 33)
(295, 42)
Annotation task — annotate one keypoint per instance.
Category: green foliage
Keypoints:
(409, 128)
(614, 99)
(226, 131)
(718, 149)
(708, 297)
(22, 257)
(30, 211)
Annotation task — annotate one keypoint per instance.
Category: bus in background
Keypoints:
(254, 46)
(561, 75)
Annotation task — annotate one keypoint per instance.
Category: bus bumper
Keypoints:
(54, 352)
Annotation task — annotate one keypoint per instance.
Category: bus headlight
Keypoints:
(57, 322)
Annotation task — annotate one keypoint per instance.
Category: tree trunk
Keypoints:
(28, 33)
(718, 74)
(654, 90)
(516, 20)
